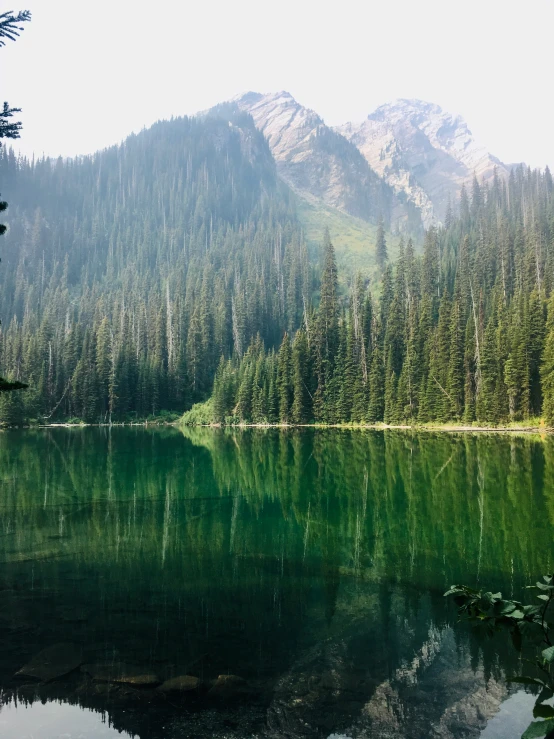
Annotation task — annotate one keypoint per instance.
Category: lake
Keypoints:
(296, 577)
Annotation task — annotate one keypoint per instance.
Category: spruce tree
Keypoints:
(486, 408)
(376, 408)
(536, 328)
(381, 254)
(301, 407)
(259, 396)
(455, 379)
(326, 334)
(284, 380)
(344, 375)
(391, 407)
(547, 367)
(218, 393)
(245, 392)
(273, 393)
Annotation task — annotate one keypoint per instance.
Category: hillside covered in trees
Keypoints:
(127, 274)
(141, 279)
(462, 332)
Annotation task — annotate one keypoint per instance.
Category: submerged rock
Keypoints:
(182, 683)
(52, 662)
(227, 686)
(120, 672)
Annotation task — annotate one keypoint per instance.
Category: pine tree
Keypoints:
(547, 367)
(273, 394)
(284, 380)
(381, 254)
(485, 406)
(244, 397)
(536, 331)
(376, 408)
(218, 394)
(259, 397)
(344, 375)
(390, 394)
(326, 338)
(443, 405)
(411, 369)
(455, 380)
(301, 407)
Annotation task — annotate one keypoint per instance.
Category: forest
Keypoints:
(171, 270)
(463, 332)
(127, 274)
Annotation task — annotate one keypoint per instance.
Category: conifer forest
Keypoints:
(172, 270)
(462, 332)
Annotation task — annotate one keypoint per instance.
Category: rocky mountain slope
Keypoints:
(422, 151)
(404, 161)
(320, 164)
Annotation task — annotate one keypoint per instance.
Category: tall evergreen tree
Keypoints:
(326, 338)
(284, 380)
(547, 367)
(381, 253)
(376, 408)
(301, 411)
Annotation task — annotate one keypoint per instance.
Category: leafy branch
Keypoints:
(493, 613)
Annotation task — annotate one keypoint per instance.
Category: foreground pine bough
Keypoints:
(530, 629)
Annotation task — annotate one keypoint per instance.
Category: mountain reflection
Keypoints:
(308, 564)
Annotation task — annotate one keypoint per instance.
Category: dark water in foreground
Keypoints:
(308, 564)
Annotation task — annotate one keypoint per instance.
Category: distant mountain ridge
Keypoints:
(405, 161)
(321, 164)
(423, 151)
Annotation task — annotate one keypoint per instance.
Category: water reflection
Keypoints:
(308, 566)
(54, 721)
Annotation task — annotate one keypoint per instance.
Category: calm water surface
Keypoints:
(309, 565)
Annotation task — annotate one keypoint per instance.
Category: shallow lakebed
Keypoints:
(262, 582)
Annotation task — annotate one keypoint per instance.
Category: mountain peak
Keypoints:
(423, 151)
(315, 161)
(419, 154)
(251, 97)
(407, 105)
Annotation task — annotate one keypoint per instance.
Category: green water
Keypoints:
(311, 564)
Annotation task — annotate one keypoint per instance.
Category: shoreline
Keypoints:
(65, 425)
(447, 427)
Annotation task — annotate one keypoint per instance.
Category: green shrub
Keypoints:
(201, 414)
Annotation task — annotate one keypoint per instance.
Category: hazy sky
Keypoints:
(88, 73)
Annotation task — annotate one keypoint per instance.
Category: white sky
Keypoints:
(88, 73)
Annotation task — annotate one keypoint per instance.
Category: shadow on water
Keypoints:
(261, 583)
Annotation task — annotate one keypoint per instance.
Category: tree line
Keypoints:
(128, 273)
(463, 332)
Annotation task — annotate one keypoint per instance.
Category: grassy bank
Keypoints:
(201, 414)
